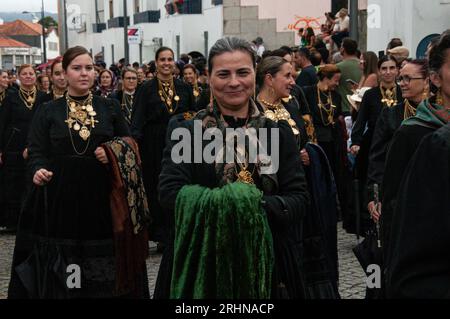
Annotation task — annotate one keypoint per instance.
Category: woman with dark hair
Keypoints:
(326, 112)
(414, 84)
(127, 94)
(74, 214)
(59, 83)
(16, 114)
(386, 95)
(201, 93)
(223, 258)
(369, 66)
(106, 83)
(43, 83)
(310, 37)
(417, 202)
(274, 78)
(156, 102)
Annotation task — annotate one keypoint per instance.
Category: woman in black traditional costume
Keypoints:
(107, 83)
(431, 115)
(413, 81)
(68, 218)
(59, 83)
(201, 93)
(275, 81)
(16, 114)
(156, 102)
(387, 94)
(283, 193)
(128, 92)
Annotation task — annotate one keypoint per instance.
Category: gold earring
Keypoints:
(439, 99)
(425, 94)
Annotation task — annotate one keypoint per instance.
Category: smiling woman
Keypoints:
(232, 265)
(72, 193)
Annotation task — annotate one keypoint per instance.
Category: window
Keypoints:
(137, 7)
(20, 59)
(111, 9)
(100, 11)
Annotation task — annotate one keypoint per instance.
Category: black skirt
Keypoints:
(12, 188)
(64, 225)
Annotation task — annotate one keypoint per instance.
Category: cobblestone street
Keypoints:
(352, 278)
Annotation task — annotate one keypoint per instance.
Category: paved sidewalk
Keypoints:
(352, 278)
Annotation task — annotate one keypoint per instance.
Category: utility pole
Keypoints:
(125, 31)
(43, 33)
(354, 17)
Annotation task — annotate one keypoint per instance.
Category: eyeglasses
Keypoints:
(131, 79)
(407, 79)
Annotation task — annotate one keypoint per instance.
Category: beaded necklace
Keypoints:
(167, 93)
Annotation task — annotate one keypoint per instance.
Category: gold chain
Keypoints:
(80, 116)
(277, 112)
(167, 93)
(196, 90)
(244, 174)
(28, 97)
(329, 112)
(410, 110)
(389, 96)
(58, 94)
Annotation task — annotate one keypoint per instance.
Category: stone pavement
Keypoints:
(352, 278)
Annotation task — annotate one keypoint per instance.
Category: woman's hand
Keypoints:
(42, 176)
(354, 150)
(304, 157)
(25, 154)
(100, 154)
(375, 212)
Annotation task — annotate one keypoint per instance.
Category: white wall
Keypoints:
(409, 20)
(52, 37)
(189, 27)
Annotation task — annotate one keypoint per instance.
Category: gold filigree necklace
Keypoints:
(276, 112)
(58, 94)
(28, 97)
(329, 111)
(244, 175)
(389, 96)
(168, 95)
(196, 90)
(127, 105)
(80, 118)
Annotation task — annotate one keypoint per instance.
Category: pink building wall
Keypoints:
(294, 14)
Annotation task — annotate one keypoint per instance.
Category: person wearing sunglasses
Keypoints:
(127, 94)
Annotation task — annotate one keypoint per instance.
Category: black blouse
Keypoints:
(324, 132)
(15, 120)
(369, 111)
(149, 109)
(50, 136)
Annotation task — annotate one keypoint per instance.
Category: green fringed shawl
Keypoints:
(223, 244)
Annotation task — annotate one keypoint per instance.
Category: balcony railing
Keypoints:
(151, 16)
(117, 22)
(98, 27)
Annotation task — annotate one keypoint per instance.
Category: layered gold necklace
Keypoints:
(410, 110)
(389, 96)
(28, 97)
(167, 93)
(196, 90)
(58, 94)
(80, 118)
(328, 111)
(276, 112)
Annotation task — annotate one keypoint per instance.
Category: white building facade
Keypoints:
(98, 26)
(413, 21)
